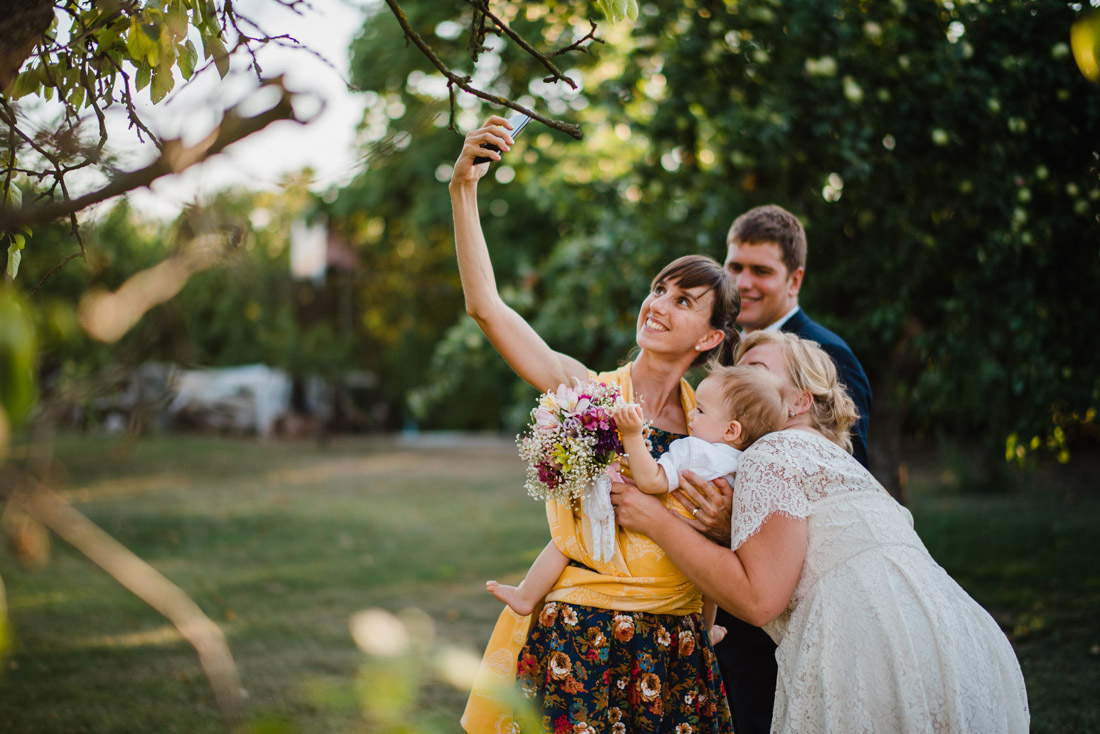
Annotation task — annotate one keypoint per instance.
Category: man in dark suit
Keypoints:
(767, 257)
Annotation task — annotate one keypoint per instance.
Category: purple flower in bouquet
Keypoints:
(570, 440)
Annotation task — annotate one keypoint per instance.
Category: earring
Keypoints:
(697, 347)
(790, 412)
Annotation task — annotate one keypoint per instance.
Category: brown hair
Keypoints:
(754, 398)
(691, 271)
(772, 224)
(811, 370)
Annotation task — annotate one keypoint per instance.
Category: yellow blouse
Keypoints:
(639, 577)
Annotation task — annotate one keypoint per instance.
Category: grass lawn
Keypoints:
(281, 543)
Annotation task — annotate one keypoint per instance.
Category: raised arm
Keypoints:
(644, 469)
(520, 345)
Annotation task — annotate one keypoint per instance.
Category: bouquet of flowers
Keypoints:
(571, 440)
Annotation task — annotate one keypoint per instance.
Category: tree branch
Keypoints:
(463, 82)
(576, 45)
(483, 7)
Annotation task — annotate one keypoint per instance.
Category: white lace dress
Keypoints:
(877, 637)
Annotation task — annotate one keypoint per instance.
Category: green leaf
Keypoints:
(18, 354)
(617, 10)
(136, 42)
(207, 19)
(15, 255)
(15, 196)
(5, 627)
(1084, 38)
(42, 74)
(212, 46)
(177, 18)
(188, 56)
(76, 98)
(26, 83)
(162, 83)
(64, 83)
(142, 44)
(153, 31)
(143, 76)
(607, 9)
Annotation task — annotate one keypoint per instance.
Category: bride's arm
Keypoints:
(754, 583)
(520, 345)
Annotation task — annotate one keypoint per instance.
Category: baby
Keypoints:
(734, 406)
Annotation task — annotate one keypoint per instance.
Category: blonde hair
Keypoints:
(812, 371)
(753, 397)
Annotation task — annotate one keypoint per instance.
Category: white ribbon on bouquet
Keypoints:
(601, 517)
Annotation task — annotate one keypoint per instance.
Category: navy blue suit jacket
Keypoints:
(849, 371)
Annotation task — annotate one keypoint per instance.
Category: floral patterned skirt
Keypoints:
(597, 671)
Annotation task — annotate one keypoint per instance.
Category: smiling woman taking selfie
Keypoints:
(620, 645)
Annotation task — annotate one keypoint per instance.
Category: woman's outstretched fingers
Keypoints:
(494, 132)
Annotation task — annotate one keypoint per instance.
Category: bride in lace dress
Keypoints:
(873, 635)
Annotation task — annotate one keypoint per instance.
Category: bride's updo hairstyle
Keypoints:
(812, 371)
(691, 271)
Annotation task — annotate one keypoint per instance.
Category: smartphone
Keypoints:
(518, 123)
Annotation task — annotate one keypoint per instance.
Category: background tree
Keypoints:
(397, 213)
(943, 157)
(91, 59)
(945, 160)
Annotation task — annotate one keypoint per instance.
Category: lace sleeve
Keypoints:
(766, 484)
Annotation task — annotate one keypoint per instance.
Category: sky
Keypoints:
(258, 162)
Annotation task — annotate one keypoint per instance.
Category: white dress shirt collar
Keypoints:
(779, 324)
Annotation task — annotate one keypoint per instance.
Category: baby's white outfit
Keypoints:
(708, 460)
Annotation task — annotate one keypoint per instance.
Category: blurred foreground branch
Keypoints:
(148, 584)
(108, 315)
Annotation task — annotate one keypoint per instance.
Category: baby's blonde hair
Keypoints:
(753, 397)
(811, 370)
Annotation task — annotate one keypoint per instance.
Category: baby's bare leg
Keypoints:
(540, 579)
(710, 610)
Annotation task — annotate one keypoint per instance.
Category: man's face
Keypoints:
(767, 290)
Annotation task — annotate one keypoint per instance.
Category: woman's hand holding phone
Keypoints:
(484, 146)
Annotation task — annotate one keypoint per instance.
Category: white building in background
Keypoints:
(309, 250)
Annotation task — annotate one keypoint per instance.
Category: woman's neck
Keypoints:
(803, 423)
(657, 388)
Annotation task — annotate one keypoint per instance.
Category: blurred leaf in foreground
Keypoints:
(1084, 37)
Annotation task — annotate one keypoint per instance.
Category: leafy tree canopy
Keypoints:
(943, 157)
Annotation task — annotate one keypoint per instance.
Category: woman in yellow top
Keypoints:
(619, 646)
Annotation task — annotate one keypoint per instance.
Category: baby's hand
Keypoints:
(629, 419)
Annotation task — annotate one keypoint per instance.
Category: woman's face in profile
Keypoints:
(770, 357)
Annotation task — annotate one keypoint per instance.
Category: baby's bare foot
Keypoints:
(512, 596)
